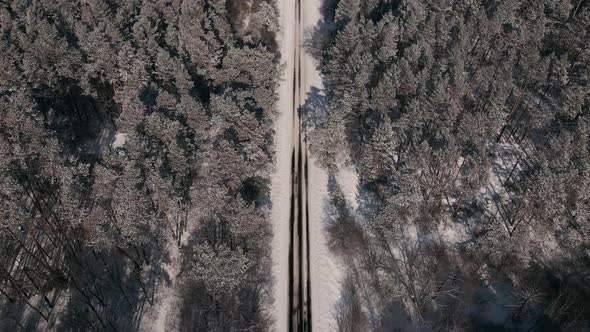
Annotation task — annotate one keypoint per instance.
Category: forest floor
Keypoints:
(163, 315)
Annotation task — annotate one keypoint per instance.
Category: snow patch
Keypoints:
(120, 139)
(327, 271)
(348, 180)
(453, 233)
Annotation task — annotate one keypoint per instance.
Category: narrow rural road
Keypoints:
(299, 281)
(306, 274)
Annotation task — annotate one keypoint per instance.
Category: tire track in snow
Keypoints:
(299, 266)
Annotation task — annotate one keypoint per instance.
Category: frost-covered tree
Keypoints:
(120, 122)
(462, 113)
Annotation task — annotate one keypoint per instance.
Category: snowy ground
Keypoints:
(162, 316)
(281, 179)
(326, 270)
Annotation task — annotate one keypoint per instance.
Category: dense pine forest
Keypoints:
(131, 130)
(468, 123)
(137, 151)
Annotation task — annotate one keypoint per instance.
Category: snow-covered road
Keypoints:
(281, 179)
(325, 269)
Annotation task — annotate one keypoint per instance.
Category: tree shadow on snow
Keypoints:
(313, 113)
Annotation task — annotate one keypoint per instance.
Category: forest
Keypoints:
(137, 151)
(468, 123)
(136, 144)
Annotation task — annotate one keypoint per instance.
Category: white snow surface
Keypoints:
(164, 314)
(120, 139)
(326, 269)
(348, 180)
(281, 178)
